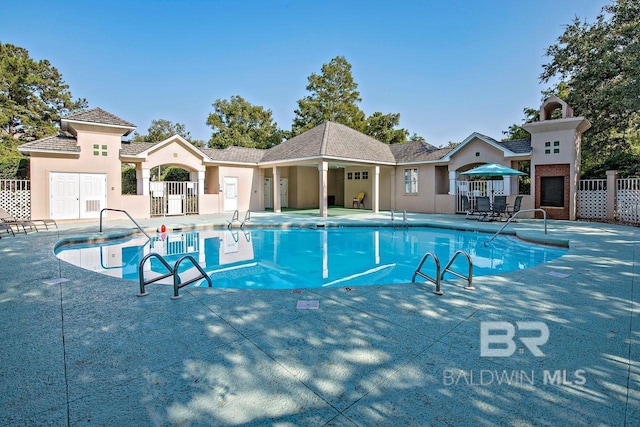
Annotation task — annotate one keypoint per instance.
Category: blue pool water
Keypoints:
(275, 258)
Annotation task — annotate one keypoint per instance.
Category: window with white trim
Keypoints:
(411, 181)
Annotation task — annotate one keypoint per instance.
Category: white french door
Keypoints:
(77, 195)
(230, 193)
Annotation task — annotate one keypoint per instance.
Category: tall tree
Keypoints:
(33, 95)
(238, 122)
(162, 129)
(334, 97)
(383, 128)
(600, 64)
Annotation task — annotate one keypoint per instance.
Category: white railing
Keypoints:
(592, 199)
(628, 200)
(15, 197)
(173, 198)
(474, 189)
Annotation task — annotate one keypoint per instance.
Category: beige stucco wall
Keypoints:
(354, 186)
(304, 190)
(42, 166)
(384, 203)
(467, 155)
(175, 153)
(247, 186)
(424, 200)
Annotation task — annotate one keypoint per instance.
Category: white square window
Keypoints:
(349, 175)
(411, 181)
(365, 175)
(356, 175)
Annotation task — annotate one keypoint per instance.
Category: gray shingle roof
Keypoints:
(234, 154)
(520, 146)
(98, 115)
(52, 143)
(332, 140)
(415, 151)
(134, 148)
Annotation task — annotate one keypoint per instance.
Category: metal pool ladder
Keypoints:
(178, 282)
(447, 269)
(404, 218)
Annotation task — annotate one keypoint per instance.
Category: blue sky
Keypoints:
(449, 67)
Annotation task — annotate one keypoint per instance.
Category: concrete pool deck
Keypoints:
(87, 351)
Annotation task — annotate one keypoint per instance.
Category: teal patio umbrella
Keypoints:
(492, 169)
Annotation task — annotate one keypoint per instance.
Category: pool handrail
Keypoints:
(435, 281)
(130, 217)
(177, 284)
(144, 282)
(469, 276)
(544, 213)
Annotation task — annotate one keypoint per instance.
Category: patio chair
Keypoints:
(500, 206)
(483, 208)
(516, 207)
(32, 223)
(8, 220)
(466, 207)
(7, 228)
(359, 200)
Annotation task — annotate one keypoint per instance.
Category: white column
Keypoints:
(375, 206)
(323, 167)
(261, 189)
(506, 185)
(277, 208)
(142, 181)
(393, 189)
(452, 182)
(198, 176)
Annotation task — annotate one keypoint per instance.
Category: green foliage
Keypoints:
(33, 95)
(600, 64)
(416, 137)
(161, 129)
(238, 122)
(129, 182)
(334, 97)
(176, 174)
(383, 128)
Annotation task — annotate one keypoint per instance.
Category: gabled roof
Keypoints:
(520, 146)
(143, 149)
(332, 140)
(417, 151)
(97, 116)
(234, 154)
(52, 144)
(129, 148)
(502, 146)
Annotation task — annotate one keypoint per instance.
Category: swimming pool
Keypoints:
(276, 258)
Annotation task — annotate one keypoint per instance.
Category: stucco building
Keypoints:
(75, 175)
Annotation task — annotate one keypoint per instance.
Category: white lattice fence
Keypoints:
(592, 198)
(474, 189)
(15, 197)
(628, 199)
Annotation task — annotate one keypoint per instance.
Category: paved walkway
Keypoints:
(87, 351)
